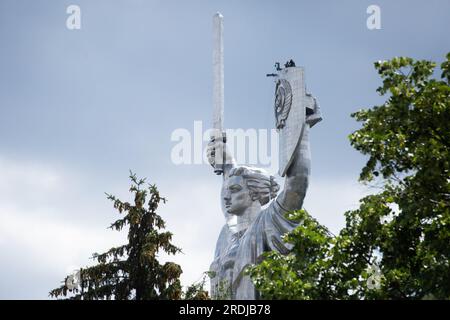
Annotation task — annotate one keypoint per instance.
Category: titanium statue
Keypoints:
(250, 229)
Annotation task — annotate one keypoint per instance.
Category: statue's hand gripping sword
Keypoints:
(218, 92)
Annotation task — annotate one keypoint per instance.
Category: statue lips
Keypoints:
(228, 208)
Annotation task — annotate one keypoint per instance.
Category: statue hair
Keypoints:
(261, 185)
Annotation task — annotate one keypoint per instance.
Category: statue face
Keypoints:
(236, 196)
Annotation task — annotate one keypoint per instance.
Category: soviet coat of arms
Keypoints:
(283, 102)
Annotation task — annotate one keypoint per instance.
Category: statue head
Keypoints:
(244, 192)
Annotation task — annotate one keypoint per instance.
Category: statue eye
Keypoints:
(235, 188)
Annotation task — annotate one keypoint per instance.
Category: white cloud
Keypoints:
(41, 237)
(194, 216)
(53, 244)
(26, 179)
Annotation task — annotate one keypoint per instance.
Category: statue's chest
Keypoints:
(229, 257)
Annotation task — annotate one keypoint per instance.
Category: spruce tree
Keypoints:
(131, 271)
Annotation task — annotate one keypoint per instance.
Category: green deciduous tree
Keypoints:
(396, 245)
(131, 271)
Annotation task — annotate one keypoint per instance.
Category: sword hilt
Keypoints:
(219, 168)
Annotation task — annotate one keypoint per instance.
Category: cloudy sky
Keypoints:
(79, 108)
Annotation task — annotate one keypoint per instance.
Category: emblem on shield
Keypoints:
(283, 102)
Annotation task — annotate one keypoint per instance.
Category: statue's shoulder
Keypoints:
(275, 208)
(266, 217)
(275, 215)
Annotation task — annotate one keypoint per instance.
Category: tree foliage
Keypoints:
(196, 291)
(396, 245)
(131, 271)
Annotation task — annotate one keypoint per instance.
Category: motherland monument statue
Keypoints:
(250, 230)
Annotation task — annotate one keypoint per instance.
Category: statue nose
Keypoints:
(227, 199)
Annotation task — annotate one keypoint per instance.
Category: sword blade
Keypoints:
(218, 88)
(218, 83)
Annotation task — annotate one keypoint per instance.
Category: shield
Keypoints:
(290, 106)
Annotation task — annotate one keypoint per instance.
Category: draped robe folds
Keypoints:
(246, 248)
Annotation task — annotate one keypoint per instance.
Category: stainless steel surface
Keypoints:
(290, 112)
(218, 89)
(218, 72)
(250, 229)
